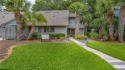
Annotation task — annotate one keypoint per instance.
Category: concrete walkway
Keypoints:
(116, 63)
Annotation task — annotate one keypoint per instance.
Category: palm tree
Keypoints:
(34, 18)
(78, 8)
(86, 18)
(105, 7)
(18, 7)
(121, 22)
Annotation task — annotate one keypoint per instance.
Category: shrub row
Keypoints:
(52, 36)
(57, 35)
(80, 36)
(36, 35)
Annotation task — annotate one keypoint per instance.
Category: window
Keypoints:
(36, 29)
(48, 29)
(72, 21)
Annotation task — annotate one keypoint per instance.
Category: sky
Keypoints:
(32, 1)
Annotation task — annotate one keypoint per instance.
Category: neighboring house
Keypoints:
(2, 8)
(59, 21)
(117, 10)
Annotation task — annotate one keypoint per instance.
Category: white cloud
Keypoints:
(32, 1)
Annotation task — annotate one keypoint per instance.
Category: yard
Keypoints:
(113, 49)
(53, 56)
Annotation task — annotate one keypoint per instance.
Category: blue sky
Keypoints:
(32, 1)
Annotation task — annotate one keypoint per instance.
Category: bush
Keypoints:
(57, 35)
(36, 35)
(80, 36)
(93, 35)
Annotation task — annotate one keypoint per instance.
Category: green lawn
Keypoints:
(112, 49)
(53, 56)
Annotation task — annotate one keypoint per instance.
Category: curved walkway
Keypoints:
(116, 63)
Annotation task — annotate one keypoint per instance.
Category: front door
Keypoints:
(71, 32)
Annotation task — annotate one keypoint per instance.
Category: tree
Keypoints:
(18, 7)
(86, 18)
(2, 2)
(121, 22)
(34, 18)
(105, 8)
(78, 8)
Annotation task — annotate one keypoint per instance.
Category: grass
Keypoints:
(53, 56)
(112, 49)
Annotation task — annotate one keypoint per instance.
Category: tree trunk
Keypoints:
(78, 22)
(31, 32)
(19, 31)
(111, 31)
(111, 27)
(121, 22)
(86, 27)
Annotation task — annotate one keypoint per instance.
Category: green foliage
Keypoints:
(80, 36)
(53, 56)
(36, 35)
(78, 7)
(93, 35)
(17, 5)
(57, 35)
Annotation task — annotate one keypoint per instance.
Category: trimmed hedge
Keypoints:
(36, 35)
(57, 35)
(80, 36)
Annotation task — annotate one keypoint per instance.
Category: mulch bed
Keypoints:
(6, 45)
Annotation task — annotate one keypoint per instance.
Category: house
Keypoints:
(59, 21)
(117, 10)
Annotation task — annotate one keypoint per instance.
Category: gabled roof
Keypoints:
(6, 17)
(56, 18)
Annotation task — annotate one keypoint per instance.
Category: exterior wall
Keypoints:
(57, 29)
(25, 33)
(72, 23)
(61, 30)
(116, 12)
(0, 8)
(1, 31)
(8, 31)
(72, 26)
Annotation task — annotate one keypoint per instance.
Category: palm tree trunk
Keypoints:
(121, 22)
(31, 32)
(86, 27)
(77, 25)
(19, 31)
(111, 28)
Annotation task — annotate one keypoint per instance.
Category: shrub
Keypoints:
(51, 36)
(57, 35)
(80, 36)
(93, 35)
(36, 35)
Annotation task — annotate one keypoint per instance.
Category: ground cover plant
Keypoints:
(53, 56)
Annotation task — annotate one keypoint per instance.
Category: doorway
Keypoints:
(71, 32)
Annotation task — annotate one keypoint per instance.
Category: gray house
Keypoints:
(59, 21)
